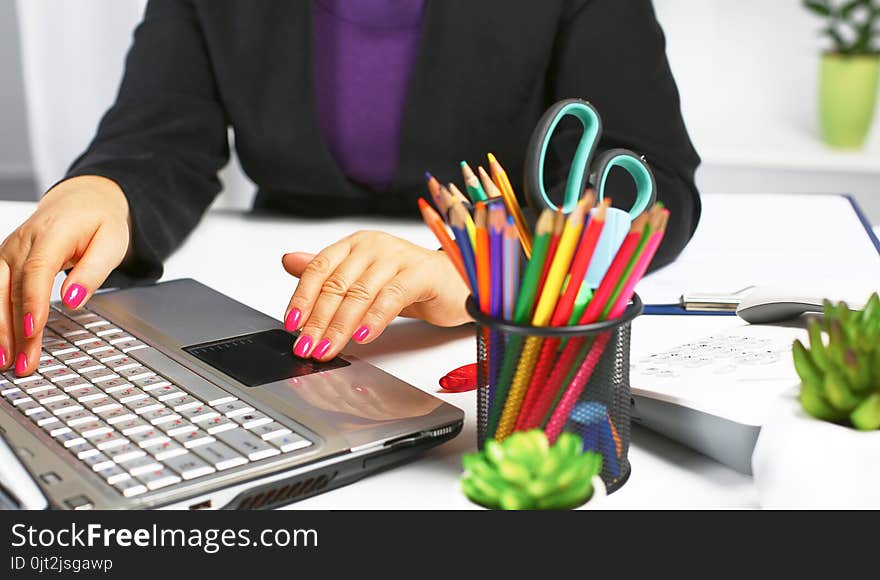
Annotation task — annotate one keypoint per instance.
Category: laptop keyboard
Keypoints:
(129, 424)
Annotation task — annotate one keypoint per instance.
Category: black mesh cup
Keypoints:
(560, 379)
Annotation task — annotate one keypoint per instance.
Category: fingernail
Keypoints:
(2, 357)
(291, 323)
(361, 333)
(321, 349)
(28, 325)
(21, 363)
(303, 347)
(74, 296)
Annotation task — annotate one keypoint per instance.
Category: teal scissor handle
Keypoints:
(584, 169)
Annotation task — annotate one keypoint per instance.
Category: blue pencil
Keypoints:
(457, 220)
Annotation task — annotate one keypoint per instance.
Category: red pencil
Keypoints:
(482, 252)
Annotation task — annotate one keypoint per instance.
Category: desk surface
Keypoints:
(240, 255)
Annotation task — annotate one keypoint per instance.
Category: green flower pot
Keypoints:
(847, 98)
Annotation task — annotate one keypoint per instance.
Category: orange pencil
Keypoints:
(501, 179)
(435, 223)
(482, 252)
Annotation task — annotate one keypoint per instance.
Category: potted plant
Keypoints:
(525, 472)
(849, 70)
(821, 448)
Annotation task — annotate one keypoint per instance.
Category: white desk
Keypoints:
(240, 255)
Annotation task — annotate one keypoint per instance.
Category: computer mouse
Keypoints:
(765, 305)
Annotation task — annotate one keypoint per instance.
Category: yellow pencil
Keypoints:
(571, 235)
(501, 179)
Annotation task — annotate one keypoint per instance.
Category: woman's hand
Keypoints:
(356, 287)
(81, 223)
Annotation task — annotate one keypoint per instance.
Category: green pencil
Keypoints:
(474, 189)
(525, 303)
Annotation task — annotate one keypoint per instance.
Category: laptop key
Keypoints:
(47, 396)
(270, 431)
(69, 439)
(93, 429)
(116, 414)
(160, 416)
(147, 439)
(36, 386)
(128, 395)
(183, 402)
(68, 354)
(85, 365)
(72, 383)
(252, 420)
(114, 474)
(234, 408)
(219, 424)
(83, 450)
(220, 456)
(145, 405)
(106, 356)
(199, 414)
(44, 417)
(151, 382)
(189, 466)
(110, 386)
(292, 442)
(101, 405)
(143, 465)
(110, 440)
(168, 450)
(98, 461)
(125, 453)
(29, 407)
(65, 406)
(132, 425)
(74, 418)
(19, 398)
(99, 376)
(177, 427)
(86, 393)
(248, 444)
(135, 373)
(130, 487)
(195, 438)
(159, 478)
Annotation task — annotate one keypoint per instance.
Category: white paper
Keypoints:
(785, 240)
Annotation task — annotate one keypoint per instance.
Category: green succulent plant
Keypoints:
(840, 377)
(526, 472)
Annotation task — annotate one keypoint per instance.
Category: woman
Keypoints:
(337, 108)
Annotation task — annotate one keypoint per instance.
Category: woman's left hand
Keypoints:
(354, 288)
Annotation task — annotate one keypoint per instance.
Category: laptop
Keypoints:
(176, 396)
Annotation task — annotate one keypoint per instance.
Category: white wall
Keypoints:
(15, 162)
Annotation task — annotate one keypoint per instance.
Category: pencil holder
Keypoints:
(568, 378)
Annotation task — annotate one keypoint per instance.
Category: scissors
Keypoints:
(585, 170)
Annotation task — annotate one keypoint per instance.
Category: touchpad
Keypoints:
(259, 358)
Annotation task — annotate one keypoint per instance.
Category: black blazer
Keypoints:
(485, 72)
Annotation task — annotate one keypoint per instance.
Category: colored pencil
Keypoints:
(440, 202)
(582, 377)
(482, 251)
(451, 200)
(474, 188)
(525, 303)
(511, 268)
(497, 221)
(436, 224)
(456, 193)
(457, 219)
(562, 261)
(558, 225)
(492, 191)
(500, 178)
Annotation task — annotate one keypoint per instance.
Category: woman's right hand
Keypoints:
(82, 223)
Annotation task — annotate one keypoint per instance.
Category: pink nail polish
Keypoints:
(361, 333)
(21, 363)
(303, 347)
(321, 349)
(28, 325)
(291, 323)
(74, 296)
(2, 357)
